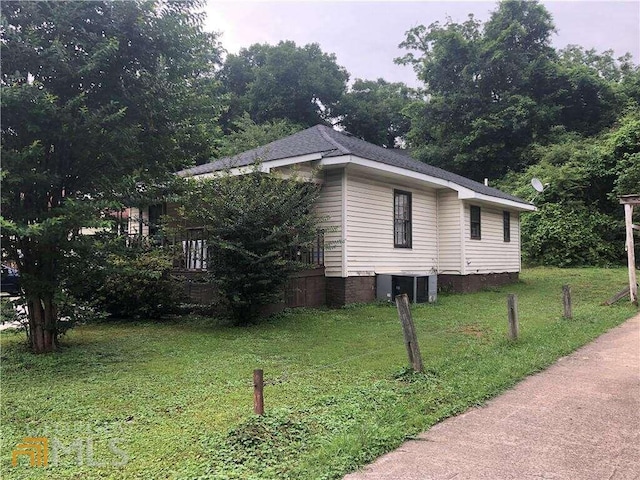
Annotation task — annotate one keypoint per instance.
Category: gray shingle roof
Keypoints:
(330, 143)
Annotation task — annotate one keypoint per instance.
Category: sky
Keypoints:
(364, 35)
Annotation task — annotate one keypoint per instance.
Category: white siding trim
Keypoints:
(289, 161)
(234, 171)
(437, 266)
(519, 237)
(466, 194)
(463, 239)
(329, 208)
(345, 271)
(264, 167)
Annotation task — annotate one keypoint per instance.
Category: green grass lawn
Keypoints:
(173, 399)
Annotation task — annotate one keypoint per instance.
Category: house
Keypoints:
(392, 217)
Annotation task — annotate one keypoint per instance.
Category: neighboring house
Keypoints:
(390, 216)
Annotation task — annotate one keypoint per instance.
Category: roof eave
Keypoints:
(468, 194)
(264, 167)
(464, 193)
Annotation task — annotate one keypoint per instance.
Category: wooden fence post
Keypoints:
(631, 257)
(512, 311)
(258, 389)
(409, 331)
(566, 301)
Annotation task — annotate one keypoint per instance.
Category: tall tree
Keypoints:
(491, 91)
(592, 93)
(300, 84)
(97, 97)
(374, 111)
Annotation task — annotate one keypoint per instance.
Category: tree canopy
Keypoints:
(97, 97)
(495, 89)
(375, 111)
(502, 103)
(283, 81)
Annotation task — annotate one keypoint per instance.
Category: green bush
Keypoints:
(124, 281)
(141, 286)
(569, 236)
(253, 224)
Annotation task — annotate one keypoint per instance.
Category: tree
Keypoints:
(493, 91)
(373, 111)
(251, 223)
(283, 81)
(592, 99)
(569, 237)
(96, 97)
(247, 134)
(579, 221)
(623, 144)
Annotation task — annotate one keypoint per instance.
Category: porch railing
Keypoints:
(196, 251)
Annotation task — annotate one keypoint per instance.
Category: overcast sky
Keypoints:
(364, 36)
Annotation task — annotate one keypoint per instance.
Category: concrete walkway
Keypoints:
(578, 420)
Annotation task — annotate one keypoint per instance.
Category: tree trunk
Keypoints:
(43, 328)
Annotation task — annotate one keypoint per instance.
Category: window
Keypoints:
(475, 222)
(506, 226)
(401, 219)
(155, 216)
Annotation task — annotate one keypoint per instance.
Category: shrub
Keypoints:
(140, 286)
(125, 281)
(564, 237)
(250, 223)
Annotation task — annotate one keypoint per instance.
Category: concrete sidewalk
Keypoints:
(577, 420)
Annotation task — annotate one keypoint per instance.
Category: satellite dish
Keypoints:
(537, 184)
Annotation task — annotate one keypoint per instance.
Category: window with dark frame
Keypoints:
(475, 222)
(155, 217)
(506, 225)
(401, 219)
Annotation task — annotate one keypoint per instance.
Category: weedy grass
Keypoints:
(173, 399)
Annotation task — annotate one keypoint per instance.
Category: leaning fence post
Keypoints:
(512, 311)
(258, 389)
(409, 331)
(566, 301)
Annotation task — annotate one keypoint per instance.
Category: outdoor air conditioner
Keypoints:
(420, 287)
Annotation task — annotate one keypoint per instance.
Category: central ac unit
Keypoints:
(420, 287)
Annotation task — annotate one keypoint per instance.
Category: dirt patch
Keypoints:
(472, 330)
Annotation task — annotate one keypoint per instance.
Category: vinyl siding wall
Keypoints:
(491, 254)
(369, 228)
(330, 206)
(301, 170)
(450, 240)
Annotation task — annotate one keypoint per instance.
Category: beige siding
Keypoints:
(305, 171)
(491, 254)
(449, 238)
(330, 206)
(370, 228)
